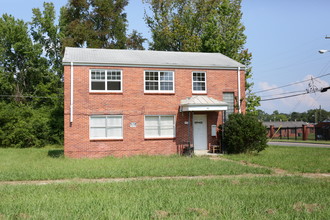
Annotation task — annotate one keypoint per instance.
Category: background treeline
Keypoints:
(311, 116)
(31, 72)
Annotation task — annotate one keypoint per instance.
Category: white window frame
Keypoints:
(106, 126)
(158, 91)
(159, 128)
(106, 80)
(192, 82)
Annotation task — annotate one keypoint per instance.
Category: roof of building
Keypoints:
(285, 124)
(148, 58)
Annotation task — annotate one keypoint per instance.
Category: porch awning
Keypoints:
(203, 103)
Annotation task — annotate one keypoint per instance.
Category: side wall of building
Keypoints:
(133, 104)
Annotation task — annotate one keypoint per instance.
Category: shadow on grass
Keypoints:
(55, 153)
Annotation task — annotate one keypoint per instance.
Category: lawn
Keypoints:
(233, 198)
(294, 159)
(49, 163)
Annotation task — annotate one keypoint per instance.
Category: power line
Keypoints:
(283, 97)
(284, 93)
(266, 90)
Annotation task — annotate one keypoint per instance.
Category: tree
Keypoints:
(22, 67)
(94, 23)
(46, 32)
(244, 134)
(205, 26)
(135, 41)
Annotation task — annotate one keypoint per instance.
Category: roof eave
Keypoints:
(66, 63)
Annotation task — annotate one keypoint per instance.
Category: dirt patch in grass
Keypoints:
(199, 211)
(159, 214)
(271, 211)
(300, 207)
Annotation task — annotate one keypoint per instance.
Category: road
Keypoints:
(292, 144)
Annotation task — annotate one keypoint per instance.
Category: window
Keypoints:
(228, 97)
(106, 127)
(159, 126)
(158, 81)
(106, 80)
(199, 82)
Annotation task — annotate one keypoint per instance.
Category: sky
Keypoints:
(284, 37)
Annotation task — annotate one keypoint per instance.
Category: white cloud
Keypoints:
(298, 103)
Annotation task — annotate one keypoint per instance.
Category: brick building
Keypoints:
(128, 102)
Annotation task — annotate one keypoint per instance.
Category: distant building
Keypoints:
(288, 129)
(322, 130)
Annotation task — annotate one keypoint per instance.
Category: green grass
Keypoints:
(235, 198)
(48, 163)
(295, 159)
(299, 141)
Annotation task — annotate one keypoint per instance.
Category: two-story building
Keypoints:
(130, 102)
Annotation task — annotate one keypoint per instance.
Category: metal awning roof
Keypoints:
(202, 103)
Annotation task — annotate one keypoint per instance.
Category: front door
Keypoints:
(200, 132)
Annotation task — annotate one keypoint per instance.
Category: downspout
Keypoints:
(239, 89)
(71, 95)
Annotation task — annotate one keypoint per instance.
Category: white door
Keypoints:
(200, 132)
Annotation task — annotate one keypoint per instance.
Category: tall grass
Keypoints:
(295, 159)
(47, 163)
(235, 198)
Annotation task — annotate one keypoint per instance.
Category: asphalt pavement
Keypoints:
(300, 144)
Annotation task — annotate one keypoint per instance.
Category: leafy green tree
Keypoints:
(94, 23)
(135, 41)
(244, 134)
(46, 32)
(205, 26)
(22, 67)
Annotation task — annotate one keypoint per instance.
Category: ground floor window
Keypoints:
(229, 98)
(159, 126)
(106, 127)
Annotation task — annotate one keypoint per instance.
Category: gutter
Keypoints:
(151, 65)
(71, 94)
(239, 89)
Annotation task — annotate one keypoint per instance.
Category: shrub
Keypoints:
(22, 126)
(244, 134)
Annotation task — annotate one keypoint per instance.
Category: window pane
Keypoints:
(167, 120)
(114, 85)
(98, 133)
(167, 132)
(151, 132)
(151, 121)
(114, 121)
(199, 86)
(98, 85)
(97, 121)
(166, 86)
(102, 75)
(151, 85)
(114, 133)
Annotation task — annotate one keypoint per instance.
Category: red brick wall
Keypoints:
(134, 104)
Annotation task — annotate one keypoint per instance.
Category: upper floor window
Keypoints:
(158, 81)
(106, 127)
(106, 80)
(199, 82)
